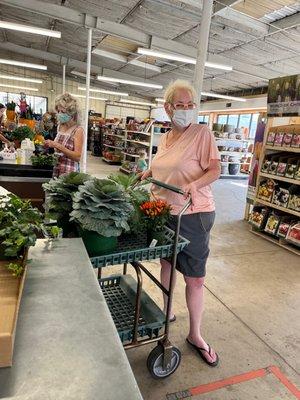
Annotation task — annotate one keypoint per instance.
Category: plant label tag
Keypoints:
(153, 243)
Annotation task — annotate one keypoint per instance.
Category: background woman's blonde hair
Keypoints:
(69, 104)
(179, 84)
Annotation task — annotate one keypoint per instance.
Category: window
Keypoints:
(38, 104)
(233, 120)
(203, 119)
(244, 121)
(222, 119)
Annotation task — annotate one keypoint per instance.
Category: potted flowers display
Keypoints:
(10, 110)
(101, 208)
(21, 133)
(156, 213)
(44, 161)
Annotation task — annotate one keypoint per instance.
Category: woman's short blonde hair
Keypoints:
(179, 84)
(68, 103)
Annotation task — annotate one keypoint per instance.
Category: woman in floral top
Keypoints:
(68, 142)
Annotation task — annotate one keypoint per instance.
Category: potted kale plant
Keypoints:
(101, 208)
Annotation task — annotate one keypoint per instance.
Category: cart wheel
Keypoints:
(155, 362)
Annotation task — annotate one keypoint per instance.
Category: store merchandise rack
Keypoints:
(274, 190)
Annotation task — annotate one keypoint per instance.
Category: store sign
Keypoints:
(284, 96)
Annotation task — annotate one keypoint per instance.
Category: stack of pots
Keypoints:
(235, 167)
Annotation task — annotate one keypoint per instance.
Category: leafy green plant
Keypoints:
(19, 223)
(16, 269)
(60, 192)
(44, 160)
(23, 132)
(138, 195)
(52, 232)
(10, 106)
(102, 206)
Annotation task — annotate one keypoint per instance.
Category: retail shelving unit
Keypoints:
(135, 140)
(268, 151)
(243, 146)
(113, 144)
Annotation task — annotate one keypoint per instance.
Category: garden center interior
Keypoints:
(81, 322)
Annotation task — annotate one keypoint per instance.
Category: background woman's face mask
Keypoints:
(183, 118)
(63, 118)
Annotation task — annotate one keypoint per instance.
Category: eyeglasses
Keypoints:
(182, 106)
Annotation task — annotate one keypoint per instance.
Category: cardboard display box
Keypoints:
(11, 289)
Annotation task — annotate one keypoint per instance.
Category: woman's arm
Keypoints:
(211, 174)
(3, 139)
(146, 174)
(75, 154)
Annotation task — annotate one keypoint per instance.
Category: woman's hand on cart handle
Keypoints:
(145, 175)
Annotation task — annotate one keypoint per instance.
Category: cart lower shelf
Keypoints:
(120, 294)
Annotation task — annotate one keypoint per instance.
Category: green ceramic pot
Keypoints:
(97, 245)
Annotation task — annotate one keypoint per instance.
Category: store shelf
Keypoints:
(138, 142)
(281, 148)
(132, 155)
(280, 178)
(113, 147)
(279, 241)
(271, 205)
(144, 133)
(237, 176)
(233, 140)
(234, 152)
(125, 171)
(115, 135)
(111, 162)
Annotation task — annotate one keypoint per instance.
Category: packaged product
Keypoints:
(272, 224)
(258, 217)
(266, 190)
(266, 165)
(291, 167)
(293, 235)
(282, 164)
(294, 200)
(278, 139)
(287, 139)
(296, 140)
(271, 138)
(281, 196)
(297, 173)
(284, 227)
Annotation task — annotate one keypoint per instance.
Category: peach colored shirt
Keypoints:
(182, 163)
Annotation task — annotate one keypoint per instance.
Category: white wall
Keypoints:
(55, 83)
(123, 112)
(255, 102)
(159, 114)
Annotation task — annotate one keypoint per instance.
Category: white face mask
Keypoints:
(183, 118)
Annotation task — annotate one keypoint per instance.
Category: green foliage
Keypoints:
(60, 192)
(44, 160)
(52, 232)
(138, 195)
(10, 106)
(23, 132)
(19, 222)
(16, 269)
(102, 206)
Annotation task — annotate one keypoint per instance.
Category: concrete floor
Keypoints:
(252, 312)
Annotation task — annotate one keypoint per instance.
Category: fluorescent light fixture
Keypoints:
(222, 96)
(177, 57)
(128, 82)
(77, 73)
(142, 103)
(159, 100)
(30, 29)
(19, 87)
(104, 91)
(91, 97)
(22, 64)
(20, 78)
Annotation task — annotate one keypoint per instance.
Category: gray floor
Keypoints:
(252, 312)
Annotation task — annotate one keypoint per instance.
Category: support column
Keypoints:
(87, 99)
(64, 79)
(207, 10)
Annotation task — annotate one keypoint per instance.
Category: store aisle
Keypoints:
(251, 316)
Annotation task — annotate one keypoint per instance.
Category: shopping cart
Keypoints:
(135, 314)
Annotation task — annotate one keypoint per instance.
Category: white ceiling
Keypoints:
(257, 51)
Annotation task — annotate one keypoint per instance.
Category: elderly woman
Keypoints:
(188, 158)
(68, 142)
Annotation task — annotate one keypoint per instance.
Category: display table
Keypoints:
(66, 346)
(24, 180)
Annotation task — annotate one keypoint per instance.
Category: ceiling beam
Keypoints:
(115, 29)
(70, 62)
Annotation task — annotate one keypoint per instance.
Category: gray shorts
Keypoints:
(191, 261)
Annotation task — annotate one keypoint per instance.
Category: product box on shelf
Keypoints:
(297, 173)
(266, 165)
(291, 167)
(258, 217)
(279, 139)
(284, 226)
(281, 196)
(287, 139)
(266, 190)
(271, 138)
(293, 235)
(282, 164)
(296, 140)
(274, 164)
(272, 224)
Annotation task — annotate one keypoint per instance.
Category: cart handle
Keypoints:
(166, 186)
